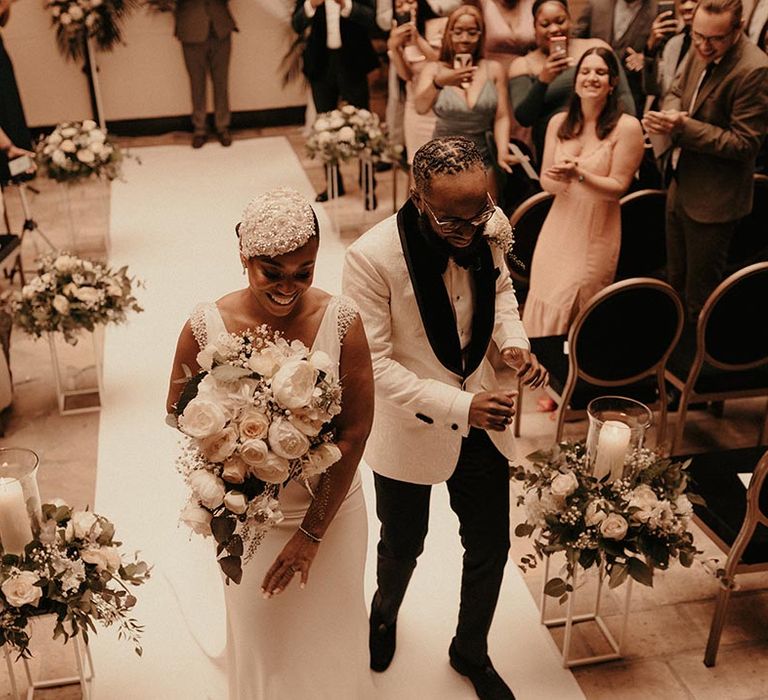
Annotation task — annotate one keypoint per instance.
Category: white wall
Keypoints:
(146, 77)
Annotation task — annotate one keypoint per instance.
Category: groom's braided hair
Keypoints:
(449, 155)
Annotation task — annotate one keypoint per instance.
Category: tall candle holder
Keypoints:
(20, 506)
(617, 428)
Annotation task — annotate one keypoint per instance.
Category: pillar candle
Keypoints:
(612, 444)
(15, 529)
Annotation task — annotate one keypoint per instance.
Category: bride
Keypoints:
(307, 638)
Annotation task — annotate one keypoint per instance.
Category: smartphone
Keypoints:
(558, 46)
(665, 6)
(402, 18)
(20, 165)
(462, 60)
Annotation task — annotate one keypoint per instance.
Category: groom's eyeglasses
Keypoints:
(454, 224)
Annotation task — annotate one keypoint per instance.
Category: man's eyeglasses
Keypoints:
(718, 39)
(453, 224)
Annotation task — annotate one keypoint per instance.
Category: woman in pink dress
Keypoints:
(591, 153)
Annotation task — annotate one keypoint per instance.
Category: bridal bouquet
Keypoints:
(78, 20)
(70, 294)
(631, 525)
(347, 132)
(72, 569)
(257, 415)
(79, 150)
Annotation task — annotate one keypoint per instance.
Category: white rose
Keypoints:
(59, 158)
(534, 512)
(61, 304)
(105, 558)
(564, 484)
(88, 295)
(346, 134)
(88, 124)
(54, 138)
(202, 418)
(320, 361)
(210, 389)
(208, 488)
(595, 513)
(661, 517)
(323, 137)
(96, 147)
(614, 527)
(253, 424)
(254, 452)
(644, 498)
(198, 519)
(349, 109)
(320, 458)
(235, 470)
(266, 362)
(75, 12)
(65, 264)
(97, 136)
(336, 121)
(363, 113)
(305, 423)
(67, 145)
(20, 589)
(294, 384)
(321, 124)
(83, 523)
(286, 440)
(274, 470)
(236, 502)
(86, 155)
(205, 357)
(218, 447)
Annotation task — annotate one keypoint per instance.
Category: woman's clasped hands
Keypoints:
(565, 170)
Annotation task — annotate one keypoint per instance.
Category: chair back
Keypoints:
(527, 221)
(750, 240)
(732, 327)
(626, 332)
(757, 493)
(643, 250)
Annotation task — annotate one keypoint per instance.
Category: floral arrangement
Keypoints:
(631, 525)
(74, 570)
(78, 20)
(69, 294)
(78, 150)
(257, 415)
(347, 132)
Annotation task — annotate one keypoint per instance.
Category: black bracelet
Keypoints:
(437, 87)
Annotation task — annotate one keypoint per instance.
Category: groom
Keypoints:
(434, 294)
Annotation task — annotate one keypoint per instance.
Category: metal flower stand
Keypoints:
(84, 677)
(368, 171)
(572, 619)
(72, 396)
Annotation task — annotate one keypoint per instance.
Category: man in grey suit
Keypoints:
(716, 115)
(625, 25)
(204, 28)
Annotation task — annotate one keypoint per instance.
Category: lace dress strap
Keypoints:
(206, 323)
(346, 313)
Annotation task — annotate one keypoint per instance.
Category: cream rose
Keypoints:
(644, 498)
(208, 488)
(320, 458)
(197, 519)
(235, 470)
(235, 502)
(67, 145)
(266, 362)
(253, 424)
(89, 124)
(254, 452)
(286, 440)
(274, 470)
(61, 304)
(294, 384)
(105, 558)
(564, 484)
(614, 527)
(218, 447)
(20, 589)
(596, 512)
(321, 124)
(86, 155)
(346, 134)
(88, 295)
(65, 264)
(82, 524)
(202, 418)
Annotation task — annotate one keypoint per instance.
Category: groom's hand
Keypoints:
(492, 410)
(296, 558)
(526, 365)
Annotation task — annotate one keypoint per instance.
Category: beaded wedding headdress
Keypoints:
(275, 223)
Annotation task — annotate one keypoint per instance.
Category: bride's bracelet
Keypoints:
(309, 535)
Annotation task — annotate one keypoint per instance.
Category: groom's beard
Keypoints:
(468, 256)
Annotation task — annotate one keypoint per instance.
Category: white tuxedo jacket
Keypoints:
(422, 396)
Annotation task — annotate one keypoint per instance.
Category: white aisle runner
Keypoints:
(173, 224)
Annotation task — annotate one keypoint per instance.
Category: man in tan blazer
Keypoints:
(204, 28)
(716, 115)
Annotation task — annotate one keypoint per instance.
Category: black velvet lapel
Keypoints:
(425, 269)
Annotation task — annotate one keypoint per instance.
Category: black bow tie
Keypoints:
(468, 257)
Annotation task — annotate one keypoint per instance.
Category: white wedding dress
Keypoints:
(311, 643)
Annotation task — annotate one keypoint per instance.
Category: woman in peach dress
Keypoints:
(590, 156)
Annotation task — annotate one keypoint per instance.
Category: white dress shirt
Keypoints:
(333, 12)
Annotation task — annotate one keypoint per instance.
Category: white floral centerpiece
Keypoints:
(258, 414)
(631, 525)
(70, 294)
(72, 569)
(77, 20)
(79, 150)
(344, 133)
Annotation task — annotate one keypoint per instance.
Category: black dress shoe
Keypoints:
(381, 642)
(382, 166)
(225, 138)
(198, 140)
(488, 684)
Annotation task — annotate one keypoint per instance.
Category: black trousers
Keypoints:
(479, 495)
(339, 81)
(697, 254)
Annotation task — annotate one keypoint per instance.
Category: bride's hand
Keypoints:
(296, 558)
